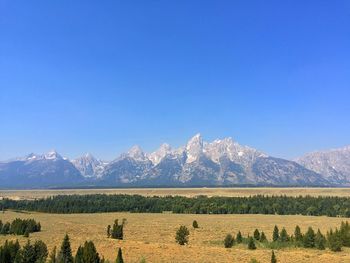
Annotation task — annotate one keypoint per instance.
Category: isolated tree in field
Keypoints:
(229, 241)
(263, 237)
(275, 234)
(320, 240)
(109, 231)
(182, 235)
(65, 254)
(251, 244)
(239, 237)
(195, 224)
(52, 257)
(257, 234)
(309, 238)
(297, 234)
(273, 257)
(118, 230)
(119, 256)
(284, 235)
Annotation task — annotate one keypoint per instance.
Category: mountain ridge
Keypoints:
(222, 162)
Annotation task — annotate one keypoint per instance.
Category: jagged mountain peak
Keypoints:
(194, 148)
(136, 153)
(160, 153)
(52, 155)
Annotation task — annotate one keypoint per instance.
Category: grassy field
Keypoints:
(189, 192)
(152, 236)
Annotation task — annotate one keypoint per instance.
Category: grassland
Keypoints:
(189, 192)
(152, 236)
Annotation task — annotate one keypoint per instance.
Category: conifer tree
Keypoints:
(334, 240)
(251, 244)
(28, 253)
(320, 240)
(52, 257)
(297, 234)
(275, 234)
(90, 254)
(229, 241)
(284, 235)
(263, 237)
(257, 234)
(79, 255)
(65, 254)
(119, 257)
(40, 251)
(309, 238)
(273, 257)
(182, 235)
(195, 224)
(239, 237)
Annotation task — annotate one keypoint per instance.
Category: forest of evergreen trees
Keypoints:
(259, 204)
(12, 252)
(20, 227)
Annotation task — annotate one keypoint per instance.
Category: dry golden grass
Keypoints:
(190, 192)
(152, 236)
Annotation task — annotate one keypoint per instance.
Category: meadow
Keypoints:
(188, 192)
(151, 236)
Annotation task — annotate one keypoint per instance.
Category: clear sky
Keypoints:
(101, 76)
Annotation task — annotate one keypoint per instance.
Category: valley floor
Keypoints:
(189, 192)
(152, 236)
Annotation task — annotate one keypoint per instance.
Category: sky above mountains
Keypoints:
(100, 77)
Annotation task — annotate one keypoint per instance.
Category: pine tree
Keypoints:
(334, 241)
(182, 235)
(284, 235)
(251, 244)
(195, 224)
(275, 234)
(65, 254)
(90, 254)
(119, 257)
(320, 240)
(239, 237)
(52, 257)
(257, 234)
(273, 257)
(297, 234)
(79, 255)
(28, 253)
(229, 241)
(309, 238)
(263, 237)
(40, 251)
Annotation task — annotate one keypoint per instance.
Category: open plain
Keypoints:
(189, 192)
(151, 236)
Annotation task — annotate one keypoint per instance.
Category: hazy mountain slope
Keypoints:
(334, 164)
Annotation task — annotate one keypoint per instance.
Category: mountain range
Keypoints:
(198, 163)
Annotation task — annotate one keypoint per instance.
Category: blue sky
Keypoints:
(101, 76)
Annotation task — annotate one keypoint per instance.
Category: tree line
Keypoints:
(12, 252)
(334, 239)
(258, 204)
(20, 227)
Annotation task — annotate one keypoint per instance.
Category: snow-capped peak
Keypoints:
(159, 154)
(136, 153)
(52, 155)
(194, 148)
(88, 165)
